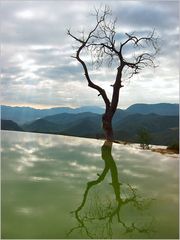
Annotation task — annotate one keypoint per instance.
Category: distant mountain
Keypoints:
(92, 109)
(68, 124)
(10, 125)
(167, 137)
(42, 126)
(23, 115)
(163, 129)
(86, 127)
(152, 122)
(69, 118)
(160, 109)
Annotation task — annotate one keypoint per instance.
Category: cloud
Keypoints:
(37, 68)
(151, 14)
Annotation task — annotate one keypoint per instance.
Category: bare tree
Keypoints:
(103, 212)
(104, 46)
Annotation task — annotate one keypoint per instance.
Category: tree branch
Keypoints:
(101, 43)
(90, 83)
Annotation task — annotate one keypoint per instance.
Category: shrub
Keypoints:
(174, 147)
(144, 138)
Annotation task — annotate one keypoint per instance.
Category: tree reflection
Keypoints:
(97, 221)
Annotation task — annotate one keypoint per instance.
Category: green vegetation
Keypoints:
(163, 129)
(174, 147)
(10, 125)
(144, 138)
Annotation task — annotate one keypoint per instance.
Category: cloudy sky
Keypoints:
(37, 68)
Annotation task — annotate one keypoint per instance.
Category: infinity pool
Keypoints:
(59, 187)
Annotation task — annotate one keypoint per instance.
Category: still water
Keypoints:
(59, 187)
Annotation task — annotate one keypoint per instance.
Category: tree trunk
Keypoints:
(107, 126)
(111, 108)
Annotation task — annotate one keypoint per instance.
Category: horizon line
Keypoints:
(51, 107)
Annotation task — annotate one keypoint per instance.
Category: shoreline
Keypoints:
(152, 147)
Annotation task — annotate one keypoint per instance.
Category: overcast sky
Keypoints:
(37, 69)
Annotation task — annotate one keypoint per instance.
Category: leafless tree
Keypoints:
(103, 44)
(104, 212)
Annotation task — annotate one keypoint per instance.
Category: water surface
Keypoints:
(58, 187)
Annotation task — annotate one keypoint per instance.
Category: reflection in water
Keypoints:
(41, 173)
(106, 210)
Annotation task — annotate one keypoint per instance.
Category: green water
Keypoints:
(57, 187)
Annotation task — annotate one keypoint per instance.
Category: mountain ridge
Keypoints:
(164, 130)
(10, 125)
(22, 115)
(158, 108)
(126, 123)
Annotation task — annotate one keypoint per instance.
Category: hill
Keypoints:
(163, 129)
(23, 115)
(68, 124)
(10, 125)
(41, 126)
(126, 123)
(166, 109)
(152, 122)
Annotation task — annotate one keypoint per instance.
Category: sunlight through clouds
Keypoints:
(26, 14)
(37, 67)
